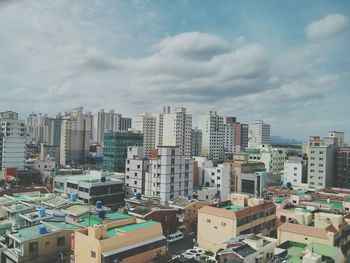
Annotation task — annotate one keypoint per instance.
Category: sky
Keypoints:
(286, 62)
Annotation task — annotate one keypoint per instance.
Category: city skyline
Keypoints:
(281, 63)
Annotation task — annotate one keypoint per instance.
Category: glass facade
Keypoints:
(115, 149)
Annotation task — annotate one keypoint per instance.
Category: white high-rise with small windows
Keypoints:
(212, 127)
(177, 130)
(321, 161)
(135, 169)
(12, 142)
(147, 124)
(259, 133)
(170, 174)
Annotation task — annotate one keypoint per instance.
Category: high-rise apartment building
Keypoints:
(115, 149)
(147, 124)
(177, 130)
(236, 135)
(75, 137)
(12, 142)
(196, 142)
(170, 174)
(259, 133)
(109, 121)
(321, 162)
(211, 125)
(37, 128)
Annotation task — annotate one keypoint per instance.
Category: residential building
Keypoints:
(343, 167)
(146, 123)
(75, 137)
(187, 213)
(126, 240)
(249, 248)
(135, 169)
(196, 142)
(242, 215)
(253, 183)
(273, 158)
(235, 136)
(259, 133)
(295, 171)
(12, 141)
(219, 177)
(212, 127)
(339, 138)
(200, 163)
(115, 149)
(91, 188)
(321, 162)
(170, 174)
(177, 131)
(312, 252)
(37, 128)
(50, 152)
(45, 242)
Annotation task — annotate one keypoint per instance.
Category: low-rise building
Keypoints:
(187, 212)
(127, 240)
(242, 215)
(91, 188)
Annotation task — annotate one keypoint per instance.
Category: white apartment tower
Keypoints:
(135, 169)
(106, 121)
(212, 127)
(75, 137)
(295, 170)
(259, 133)
(12, 142)
(170, 174)
(177, 130)
(321, 161)
(147, 124)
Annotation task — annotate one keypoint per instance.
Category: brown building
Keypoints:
(158, 213)
(242, 216)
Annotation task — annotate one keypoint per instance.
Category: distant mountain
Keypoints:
(275, 139)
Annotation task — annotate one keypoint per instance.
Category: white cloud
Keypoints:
(327, 27)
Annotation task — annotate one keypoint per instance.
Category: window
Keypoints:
(61, 241)
(93, 254)
(208, 220)
(223, 223)
(33, 247)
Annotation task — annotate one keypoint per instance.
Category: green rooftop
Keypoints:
(90, 220)
(233, 207)
(297, 249)
(333, 204)
(33, 231)
(112, 232)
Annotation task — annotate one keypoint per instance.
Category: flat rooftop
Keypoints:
(90, 220)
(32, 232)
(93, 178)
(233, 207)
(112, 232)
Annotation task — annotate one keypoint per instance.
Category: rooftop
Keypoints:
(233, 207)
(92, 178)
(112, 232)
(90, 220)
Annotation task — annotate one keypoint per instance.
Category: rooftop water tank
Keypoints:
(103, 179)
(42, 230)
(42, 211)
(99, 204)
(138, 196)
(73, 197)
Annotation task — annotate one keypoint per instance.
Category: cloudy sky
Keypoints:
(286, 62)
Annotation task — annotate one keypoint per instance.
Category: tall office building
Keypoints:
(321, 161)
(115, 149)
(159, 128)
(211, 125)
(12, 142)
(259, 133)
(146, 123)
(177, 130)
(170, 174)
(196, 142)
(75, 137)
